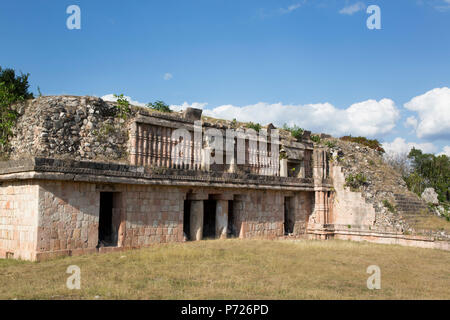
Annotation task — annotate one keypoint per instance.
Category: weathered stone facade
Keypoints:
(80, 179)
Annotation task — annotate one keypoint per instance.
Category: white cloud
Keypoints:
(167, 76)
(433, 109)
(110, 97)
(351, 9)
(368, 118)
(445, 150)
(290, 8)
(411, 122)
(399, 147)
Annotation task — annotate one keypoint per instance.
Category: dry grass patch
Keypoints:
(237, 269)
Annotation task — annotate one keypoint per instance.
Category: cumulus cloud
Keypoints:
(167, 76)
(445, 150)
(110, 97)
(411, 122)
(399, 147)
(351, 9)
(433, 112)
(368, 118)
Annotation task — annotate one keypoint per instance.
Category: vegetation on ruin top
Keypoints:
(371, 143)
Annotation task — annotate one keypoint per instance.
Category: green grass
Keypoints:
(237, 269)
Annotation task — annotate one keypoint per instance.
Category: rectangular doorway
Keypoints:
(289, 216)
(231, 232)
(209, 219)
(187, 220)
(110, 219)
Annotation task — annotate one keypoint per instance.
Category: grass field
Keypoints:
(237, 269)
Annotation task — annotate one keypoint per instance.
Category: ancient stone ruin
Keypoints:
(79, 179)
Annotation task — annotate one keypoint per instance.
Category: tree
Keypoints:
(8, 116)
(429, 170)
(13, 88)
(18, 84)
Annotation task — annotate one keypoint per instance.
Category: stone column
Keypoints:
(302, 173)
(221, 219)
(222, 213)
(196, 215)
(196, 220)
(283, 168)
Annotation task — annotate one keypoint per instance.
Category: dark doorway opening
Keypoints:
(187, 220)
(209, 220)
(289, 216)
(109, 222)
(231, 232)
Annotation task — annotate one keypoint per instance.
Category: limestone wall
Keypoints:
(18, 220)
(68, 216)
(259, 214)
(153, 215)
(69, 127)
(349, 208)
(303, 206)
(41, 219)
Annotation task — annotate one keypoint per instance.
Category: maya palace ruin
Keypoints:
(82, 179)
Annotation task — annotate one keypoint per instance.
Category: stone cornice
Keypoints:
(70, 170)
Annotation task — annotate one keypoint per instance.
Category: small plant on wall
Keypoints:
(389, 206)
(123, 106)
(159, 106)
(254, 126)
(295, 131)
(315, 138)
(355, 182)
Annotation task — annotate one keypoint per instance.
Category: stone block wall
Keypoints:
(18, 219)
(259, 214)
(42, 219)
(303, 206)
(153, 215)
(68, 216)
(349, 208)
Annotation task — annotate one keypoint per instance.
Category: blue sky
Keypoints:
(314, 63)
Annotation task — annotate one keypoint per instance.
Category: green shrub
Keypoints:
(254, 126)
(315, 138)
(355, 181)
(295, 131)
(159, 106)
(372, 144)
(330, 144)
(123, 106)
(389, 206)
